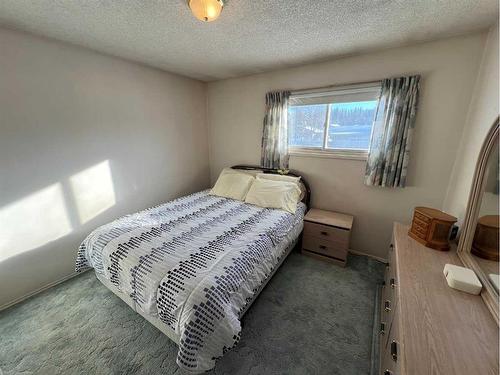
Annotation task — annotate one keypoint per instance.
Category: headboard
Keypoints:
(307, 197)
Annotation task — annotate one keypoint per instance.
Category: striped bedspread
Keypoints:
(194, 263)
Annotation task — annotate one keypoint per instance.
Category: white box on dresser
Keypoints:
(428, 328)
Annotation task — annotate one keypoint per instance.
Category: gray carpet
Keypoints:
(312, 318)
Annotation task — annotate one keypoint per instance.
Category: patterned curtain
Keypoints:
(274, 153)
(392, 132)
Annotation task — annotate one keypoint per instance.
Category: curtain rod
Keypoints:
(365, 83)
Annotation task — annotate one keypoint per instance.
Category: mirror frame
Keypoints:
(488, 293)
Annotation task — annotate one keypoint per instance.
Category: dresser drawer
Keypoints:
(386, 306)
(421, 217)
(420, 229)
(422, 224)
(390, 365)
(324, 246)
(391, 281)
(387, 316)
(338, 236)
(391, 354)
(390, 295)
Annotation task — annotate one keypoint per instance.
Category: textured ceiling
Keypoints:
(250, 36)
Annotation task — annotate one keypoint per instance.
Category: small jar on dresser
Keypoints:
(326, 235)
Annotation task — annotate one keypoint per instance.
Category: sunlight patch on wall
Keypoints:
(33, 221)
(93, 191)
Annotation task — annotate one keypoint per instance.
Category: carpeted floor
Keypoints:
(312, 318)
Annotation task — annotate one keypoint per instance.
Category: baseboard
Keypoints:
(39, 290)
(356, 252)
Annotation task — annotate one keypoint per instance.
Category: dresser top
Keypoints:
(330, 218)
(444, 331)
(489, 221)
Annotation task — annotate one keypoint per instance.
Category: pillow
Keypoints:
(232, 185)
(281, 177)
(251, 172)
(274, 194)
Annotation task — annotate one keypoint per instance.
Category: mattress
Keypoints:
(192, 266)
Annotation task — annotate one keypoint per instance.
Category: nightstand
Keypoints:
(326, 235)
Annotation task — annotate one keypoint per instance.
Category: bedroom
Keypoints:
(111, 108)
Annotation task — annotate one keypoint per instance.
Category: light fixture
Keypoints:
(206, 10)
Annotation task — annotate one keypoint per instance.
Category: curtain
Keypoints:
(274, 152)
(392, 132)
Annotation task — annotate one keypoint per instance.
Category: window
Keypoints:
(337, 122)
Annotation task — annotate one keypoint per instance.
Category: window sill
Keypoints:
(340, 154)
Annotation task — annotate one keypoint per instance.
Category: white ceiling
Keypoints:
(251, 35)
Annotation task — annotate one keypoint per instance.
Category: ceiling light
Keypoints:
(206, 10)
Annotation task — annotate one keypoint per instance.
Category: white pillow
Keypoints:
(274, 194)
(251, 172)
(232, 185)
(281, 177)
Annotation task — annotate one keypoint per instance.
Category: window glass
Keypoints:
(307, 125)
(334, 120)
(351, 125)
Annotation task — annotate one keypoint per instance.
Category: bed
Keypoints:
(193, 266)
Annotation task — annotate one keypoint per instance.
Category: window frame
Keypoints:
(324, 151)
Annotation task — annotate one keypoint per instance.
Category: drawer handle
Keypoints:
(324, 233)
(382, 328)
(322, 247)
(394, 350)
(387, 306)
(387, 372)
(393, 283)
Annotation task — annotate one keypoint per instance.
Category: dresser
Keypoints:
(426, 327)
(326, 235)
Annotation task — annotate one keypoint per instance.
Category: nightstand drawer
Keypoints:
(324, 246)
(326, 235)
(340, 237)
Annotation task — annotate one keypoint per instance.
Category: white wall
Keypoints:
(448, 68)
(483, 111)
(85, 138)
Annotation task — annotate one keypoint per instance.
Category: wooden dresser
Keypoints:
(428, 328)
(326, 235)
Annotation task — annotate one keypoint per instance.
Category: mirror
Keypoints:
(484, 247)
(478, 245)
